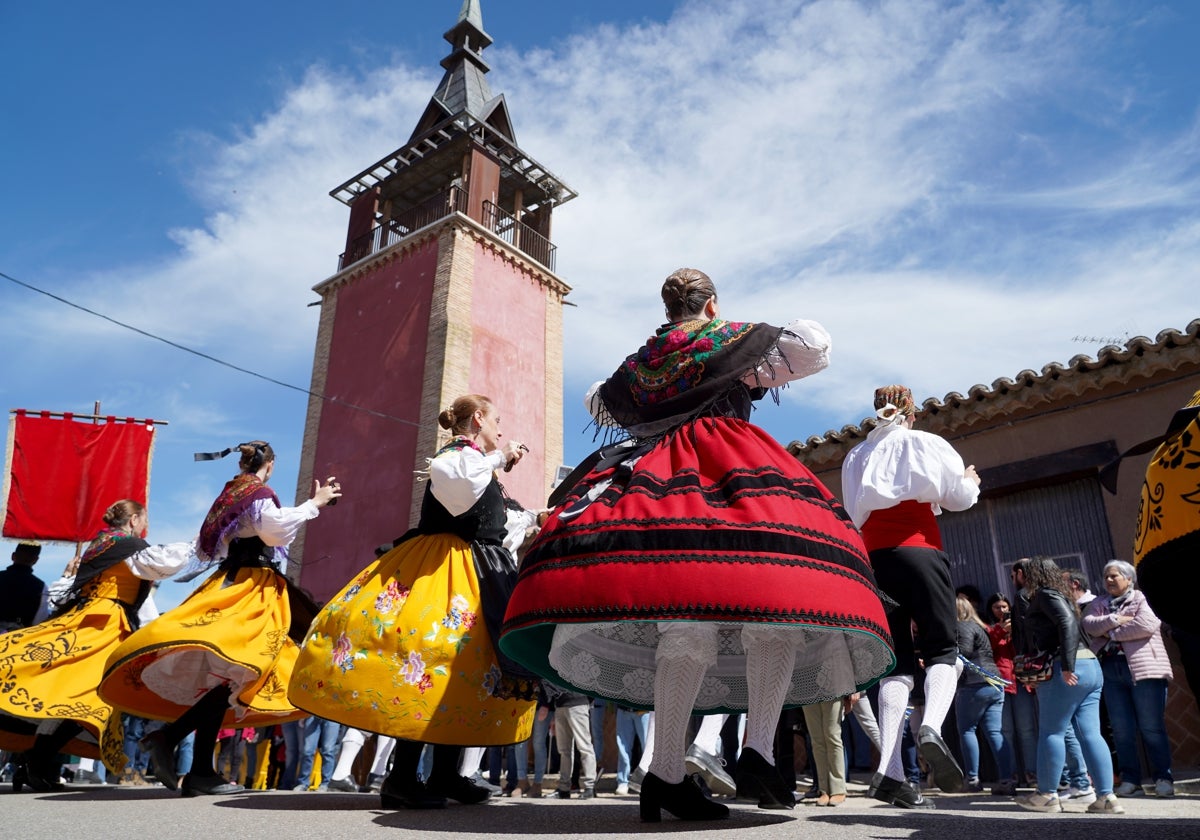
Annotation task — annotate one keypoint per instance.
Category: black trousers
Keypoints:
(918, 580)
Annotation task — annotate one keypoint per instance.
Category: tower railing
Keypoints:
(454, 200)
(519, 235)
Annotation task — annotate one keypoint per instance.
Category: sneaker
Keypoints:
(1128, 789)
(711, 768)
(478, 780)
(587, 793)
(1108, 804)
(622, 790)
(1047, 803)
(1006, 788)
(345, 785)
(562, 794)
(1081, 797)
(972, 786)
(1164, 787)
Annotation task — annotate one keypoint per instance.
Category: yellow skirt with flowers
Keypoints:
(233, 634)
(49, 673)
(403, 650)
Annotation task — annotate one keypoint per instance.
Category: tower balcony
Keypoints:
(507, 227)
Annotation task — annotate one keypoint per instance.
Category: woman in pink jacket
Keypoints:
(1125, 634)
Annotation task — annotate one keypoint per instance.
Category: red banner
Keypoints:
(64, 473)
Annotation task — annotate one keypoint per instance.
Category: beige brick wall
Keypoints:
(312, 420)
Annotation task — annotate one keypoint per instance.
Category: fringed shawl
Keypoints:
(684, 369)
(227, 509)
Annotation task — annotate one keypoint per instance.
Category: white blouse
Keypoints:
(458, 478)
(896, 464)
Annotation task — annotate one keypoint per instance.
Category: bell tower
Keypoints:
(447, 286)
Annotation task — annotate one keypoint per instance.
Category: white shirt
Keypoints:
(896, 464)
(275, 526)
(155, 562)
(458, 478)
(803, 349)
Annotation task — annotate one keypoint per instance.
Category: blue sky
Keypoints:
(957, 190)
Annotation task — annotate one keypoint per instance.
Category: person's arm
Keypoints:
(1058, 610)
(956, 484)
(1138, 623)
(459, 477)
(276, 525)
(803, 349)
(157, 562)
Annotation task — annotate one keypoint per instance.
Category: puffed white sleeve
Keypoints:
(595, 406)
(276, 525)
(458, 478)
(804, 348)
(955, 490)
(157, 562)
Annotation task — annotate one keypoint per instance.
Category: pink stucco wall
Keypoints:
(508, 364)
(376, 361)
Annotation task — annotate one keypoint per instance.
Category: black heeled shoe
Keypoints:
(415, 796)
(684, 801)
(759, 779)
(162, 759)
(459, 788)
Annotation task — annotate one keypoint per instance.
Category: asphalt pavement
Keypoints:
(101, 812)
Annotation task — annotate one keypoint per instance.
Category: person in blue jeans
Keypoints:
(320, 735)
(979, 703)
(631, 725)
(1071, 696)
(1126, 635)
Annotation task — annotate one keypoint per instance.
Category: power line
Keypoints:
(178, 346)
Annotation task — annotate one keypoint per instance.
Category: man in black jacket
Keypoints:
(22, 593)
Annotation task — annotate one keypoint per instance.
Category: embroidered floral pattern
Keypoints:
(673, 360)
(392, 597)
(460, 617)
(343, 653)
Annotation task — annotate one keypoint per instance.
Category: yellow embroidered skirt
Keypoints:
(403, 650)
(232, 634)
(49, 672)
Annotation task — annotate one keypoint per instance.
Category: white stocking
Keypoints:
(383, 751)
(684, 654)
(708, 738)
(770, 661)
(648, 750)
(941, 681)
(893, 702)
(469, 763)
(352, 743)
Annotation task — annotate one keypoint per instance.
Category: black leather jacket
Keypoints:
(1052, 625)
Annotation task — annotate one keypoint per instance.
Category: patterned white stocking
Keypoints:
(770, 661)
(684, 654)
(941, 681)
(893, 702)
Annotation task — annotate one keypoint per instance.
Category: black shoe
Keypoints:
(757, 779)
(587, 793)
(684, 801)
(194, 785)
(459, 788)
(415, 796)
(162, 759)
(947, 775)
(563, 794)
(894, 792)
(874, 786)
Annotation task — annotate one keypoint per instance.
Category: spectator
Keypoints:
(1070, 693)
(573, 730)
(322, 736)
(979, 703)
(22, 593)
(1126, 635)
